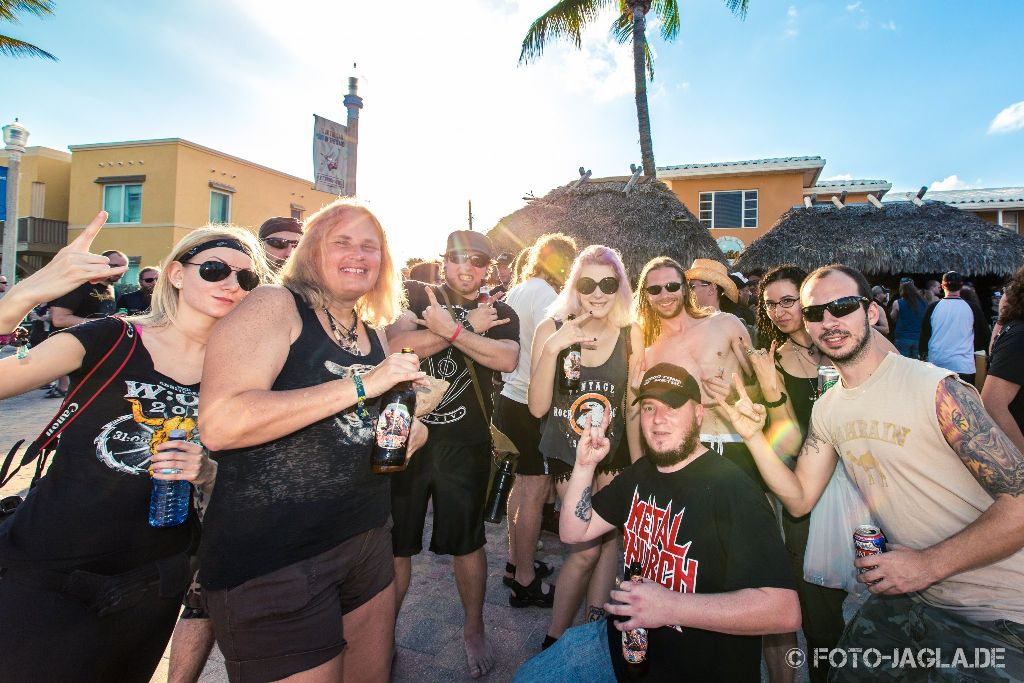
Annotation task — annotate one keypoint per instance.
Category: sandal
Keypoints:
(532, 595)
(541, 569)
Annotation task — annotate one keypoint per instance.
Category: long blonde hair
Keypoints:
(303, 273)
(163, 307)
(568, 300)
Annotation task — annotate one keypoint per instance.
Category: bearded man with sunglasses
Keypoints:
(710, 344)
(464, 344)
(279, 236)
(943, 482)
(138, 301)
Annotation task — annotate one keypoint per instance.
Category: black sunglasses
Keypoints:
(475, 260)
(215, 271)
(148, 279)
(671, 287)
(587, 285)
(839, 308)
(280, 242)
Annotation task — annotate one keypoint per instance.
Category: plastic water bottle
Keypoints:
(169, 499)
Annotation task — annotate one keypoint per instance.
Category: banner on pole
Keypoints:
(330, 155)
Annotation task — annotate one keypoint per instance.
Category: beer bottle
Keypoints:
(391, 434)
(501, 485)
(634, 643)
(570, 365)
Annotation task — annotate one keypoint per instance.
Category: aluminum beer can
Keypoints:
(827, 376)
(868, 540)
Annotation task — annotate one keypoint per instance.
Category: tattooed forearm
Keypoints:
(583, 507)
(986, 451)
(813, 442)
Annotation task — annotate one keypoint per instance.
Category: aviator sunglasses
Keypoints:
(475, 260)
(587, 285)
(839, 308)
(215, 271)
(671, 287)
(280, 242)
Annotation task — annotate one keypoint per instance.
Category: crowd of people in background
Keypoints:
(676, 415)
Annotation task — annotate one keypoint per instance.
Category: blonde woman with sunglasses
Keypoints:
(597, 293)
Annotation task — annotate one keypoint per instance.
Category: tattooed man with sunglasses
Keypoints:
(942, 481)
(710, 344)
(463, 343)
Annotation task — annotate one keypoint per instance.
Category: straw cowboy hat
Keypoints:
(713, 271)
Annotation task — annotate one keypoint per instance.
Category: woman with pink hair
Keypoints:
(598, 295)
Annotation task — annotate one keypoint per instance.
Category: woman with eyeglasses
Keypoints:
(296, 559)
(90, 590)
(597, 293)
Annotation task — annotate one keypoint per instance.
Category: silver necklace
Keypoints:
(349, 340)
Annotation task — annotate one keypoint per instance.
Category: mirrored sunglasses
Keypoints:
(671, 287)
(215, 271)
(587, 285)
(280, 242)
(475, 260)
(839, 308)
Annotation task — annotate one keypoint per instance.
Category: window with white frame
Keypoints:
(732, 209)
(220, 207)
(123, 203)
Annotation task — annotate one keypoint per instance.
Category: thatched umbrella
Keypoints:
(899, 238)
(649, 221)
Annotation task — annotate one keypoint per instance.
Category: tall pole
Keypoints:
(15, 137)
(353, 103)
(470, 214)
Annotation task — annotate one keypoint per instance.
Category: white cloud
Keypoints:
(949, 183)
(843, 176)
(854, 7)
(1009, 119)
(792, 27)
(889, 25)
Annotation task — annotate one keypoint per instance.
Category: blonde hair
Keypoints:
(163, 307)
(644, 314)
(547, 258)
(568, 300)
(303, 272)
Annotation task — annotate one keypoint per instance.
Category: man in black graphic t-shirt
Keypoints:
(455, 337)
(715, 573)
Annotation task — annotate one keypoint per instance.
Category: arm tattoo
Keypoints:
(583, 507)
(813, 442)
(987, 453)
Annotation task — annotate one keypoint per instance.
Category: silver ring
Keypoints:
(170, 470)
(750, 351)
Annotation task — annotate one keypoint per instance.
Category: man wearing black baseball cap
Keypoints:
(715, 573)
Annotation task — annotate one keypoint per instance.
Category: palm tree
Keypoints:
(569, 18)
(9, 11)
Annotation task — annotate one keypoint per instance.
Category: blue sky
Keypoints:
(904, 91)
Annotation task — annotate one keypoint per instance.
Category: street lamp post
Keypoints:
(15, 137)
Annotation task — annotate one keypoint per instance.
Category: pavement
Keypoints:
(429, 629)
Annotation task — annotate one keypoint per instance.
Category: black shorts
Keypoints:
(291, 620)
(455, 476)
(518, 424)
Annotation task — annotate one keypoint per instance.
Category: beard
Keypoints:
(673, 456)
(671, 314)
(851, 356)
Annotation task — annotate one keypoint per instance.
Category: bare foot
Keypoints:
(479, 655)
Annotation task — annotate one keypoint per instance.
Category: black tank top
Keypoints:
(298, 496)
(802, 391)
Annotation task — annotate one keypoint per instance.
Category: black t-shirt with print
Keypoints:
(1008, 364)
(88, 301)
(91, 509)
(458, 417)
(703, 529)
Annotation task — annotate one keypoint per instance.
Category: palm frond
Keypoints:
(10, 9)
(667, 12)
(567, 19)
(738, 7)
(12, 47)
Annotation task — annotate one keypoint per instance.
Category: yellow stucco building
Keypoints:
(156, 191)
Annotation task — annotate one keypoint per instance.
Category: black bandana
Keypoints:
(229, 242)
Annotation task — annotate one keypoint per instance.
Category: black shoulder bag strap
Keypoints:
(97, 379)
(470, 365)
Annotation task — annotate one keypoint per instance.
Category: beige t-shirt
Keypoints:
(918, 490)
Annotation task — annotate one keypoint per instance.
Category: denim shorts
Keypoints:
(581, 654)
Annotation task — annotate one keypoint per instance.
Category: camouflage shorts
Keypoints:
(911, 640)
(193, 606)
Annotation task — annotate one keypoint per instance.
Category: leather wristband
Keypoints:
(776, 404)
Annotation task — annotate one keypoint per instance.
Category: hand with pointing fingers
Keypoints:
(72, 266)
(484, 317)
(746, 416)
(594, 445)
(436, 318)
(571, 332)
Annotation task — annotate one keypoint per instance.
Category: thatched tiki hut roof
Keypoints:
(650, 221)
(900, 237)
